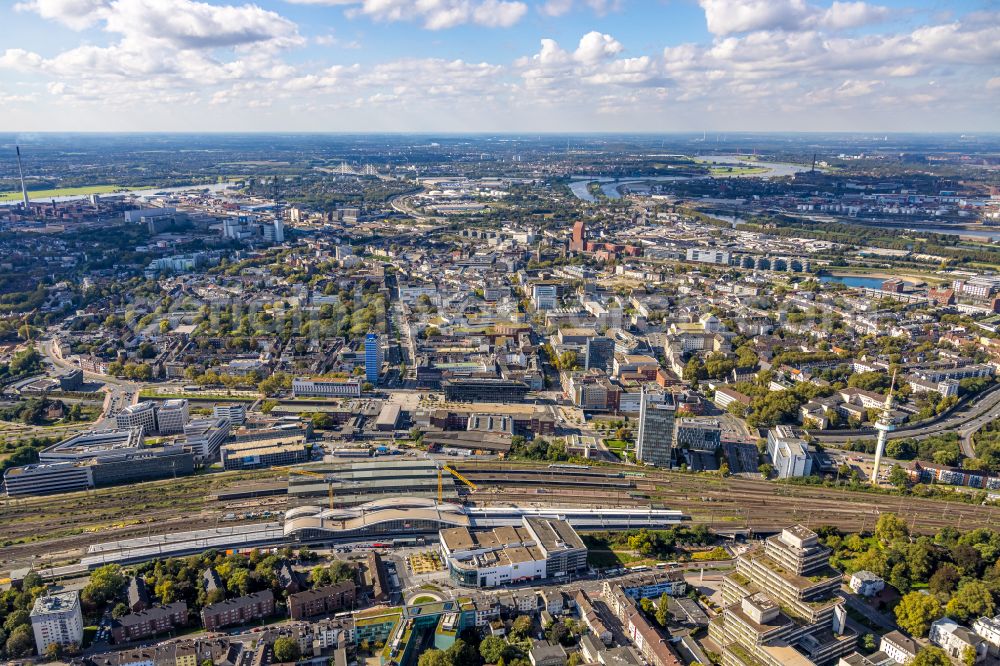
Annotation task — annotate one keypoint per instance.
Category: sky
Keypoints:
(500, 65)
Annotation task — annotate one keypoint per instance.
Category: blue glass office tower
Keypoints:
(373, 357)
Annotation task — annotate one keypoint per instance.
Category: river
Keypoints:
(609, 186)
(854, 281)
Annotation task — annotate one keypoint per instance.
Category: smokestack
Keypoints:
(24, 190)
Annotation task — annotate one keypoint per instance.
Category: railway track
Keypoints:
(733, 501)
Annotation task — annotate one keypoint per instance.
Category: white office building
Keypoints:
(236, 412)
(707, 255)
(274, 232)
(205, 436)
(172, 416)
(866, 584)
(142, 415)
(545, 296)
(789, 453)
(56, 618)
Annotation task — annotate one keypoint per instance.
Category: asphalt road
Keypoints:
(965, 421)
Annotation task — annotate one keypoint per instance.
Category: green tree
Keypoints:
(286, 649)
(15, 619)
(931, 656)
(53, 651)
(899, 477)
(492, 649)
(972, 600)
(916, 611)
(890, 527)
(239, 582)
(558, 632)
(944, 580)
(120, 610)
(663, 610)
(521, 627)
(337, 571)
(166, 591)
(105, 584)
(434, 657)
(20, 642)
(462, 653)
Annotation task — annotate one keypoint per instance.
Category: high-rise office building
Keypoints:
(655, 441)
(579, 242)
(374, 356)
(600, 353)
(172, 416)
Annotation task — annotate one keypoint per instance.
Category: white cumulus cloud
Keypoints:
(435, 14)
(728, 17)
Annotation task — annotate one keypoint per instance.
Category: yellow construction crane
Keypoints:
(455, 474)
(317, 474)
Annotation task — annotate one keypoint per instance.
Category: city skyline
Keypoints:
(500, 66)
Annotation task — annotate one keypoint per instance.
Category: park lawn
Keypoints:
(717, 553)
(616, 445)
(738, 171)
(64, 192)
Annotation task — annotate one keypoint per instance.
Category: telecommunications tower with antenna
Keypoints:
(20, 173)
(884, 425)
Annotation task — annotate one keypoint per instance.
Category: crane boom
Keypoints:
(461, 478)
(307, 472)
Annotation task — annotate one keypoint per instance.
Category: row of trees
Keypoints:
(16, 637)
(538, 449)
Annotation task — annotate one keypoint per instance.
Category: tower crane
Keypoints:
(319, 475)
(455, 474)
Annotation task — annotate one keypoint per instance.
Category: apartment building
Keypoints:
(241, 610)
(57, 619)
(324, 600)
(150, 622)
